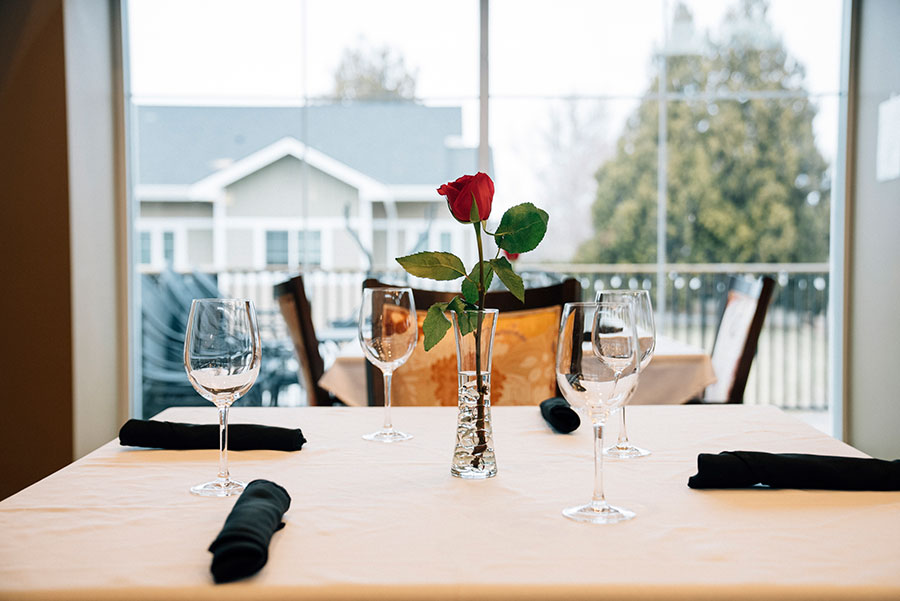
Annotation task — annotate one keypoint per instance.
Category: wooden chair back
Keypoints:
(741, 316)
(523, 358)
(297, 313)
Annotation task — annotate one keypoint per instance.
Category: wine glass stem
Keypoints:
(223, 442)
(387, 402)
(623, 433)
(598, 498)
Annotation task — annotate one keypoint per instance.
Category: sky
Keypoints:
(247, 50)
(252, 52)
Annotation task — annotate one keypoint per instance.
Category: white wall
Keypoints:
(873, 404)
(279, 189)
(97, 317)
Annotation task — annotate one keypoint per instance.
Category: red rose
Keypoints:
(511, 256)
(461, 192)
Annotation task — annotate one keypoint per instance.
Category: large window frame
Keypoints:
(838, 199)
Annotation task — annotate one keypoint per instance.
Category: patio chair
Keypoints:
(741, 316)
(523, 364)
(297, 313)
(165, 306)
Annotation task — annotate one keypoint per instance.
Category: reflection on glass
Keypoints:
(222, 356)
(597, 382)
(388, 331)
(646, 332)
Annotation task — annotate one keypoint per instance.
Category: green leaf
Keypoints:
(510, 278)
(433, 265)
(466, 320)
(521, 228)
(474, 217)
(435, 325)
(469, 290)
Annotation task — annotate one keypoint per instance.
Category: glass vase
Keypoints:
(473, 457)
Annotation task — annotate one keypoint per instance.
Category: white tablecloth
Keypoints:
(677, 373)
(386, 522)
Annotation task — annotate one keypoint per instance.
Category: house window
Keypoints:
(446, 243)
(310, 245)
(169, 247)
(276, 248)
(146, 256)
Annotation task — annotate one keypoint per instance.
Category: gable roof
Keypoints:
(395, 143)
(210, 185)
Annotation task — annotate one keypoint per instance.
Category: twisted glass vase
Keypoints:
(473, 457)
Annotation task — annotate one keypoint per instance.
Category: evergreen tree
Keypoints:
(746, 182)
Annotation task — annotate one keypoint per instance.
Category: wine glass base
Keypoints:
(626, 451)
(597, 514)
(390, 435)
(219, 488)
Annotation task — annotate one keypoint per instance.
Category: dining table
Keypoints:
(677, 373)
(388, 522)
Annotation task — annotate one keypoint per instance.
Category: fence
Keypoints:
(791, 367)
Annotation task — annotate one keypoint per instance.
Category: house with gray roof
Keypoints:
(333, 186)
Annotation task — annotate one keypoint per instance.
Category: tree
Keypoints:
(575, 141)
(746, 182)
(368, 72)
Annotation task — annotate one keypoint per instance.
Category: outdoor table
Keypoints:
(387, 521)
(677, 373)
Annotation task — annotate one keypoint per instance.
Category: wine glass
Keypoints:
(388, 331)
(646, 331)
(222, 355)
(598, 382)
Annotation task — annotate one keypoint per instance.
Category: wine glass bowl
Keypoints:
(388, 331)
(613, 346)
(598, 377)
(222, 356)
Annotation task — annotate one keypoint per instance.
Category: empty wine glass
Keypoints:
(598, 382)
(646, 330)
(388, 331)
(222, 355)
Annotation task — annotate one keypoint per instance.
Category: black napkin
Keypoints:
(242, 547)
(241, 437)
(743, 469)
(560, 415)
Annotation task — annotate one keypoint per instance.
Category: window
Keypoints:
(146, 256)
(310, 245)
(277, 248)
(169, 247)
(660, 135)
(708, 146)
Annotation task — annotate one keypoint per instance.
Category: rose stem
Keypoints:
(479, 411)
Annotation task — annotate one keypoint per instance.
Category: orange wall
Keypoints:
(35, 307)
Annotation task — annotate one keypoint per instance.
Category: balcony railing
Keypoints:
(790, 370)
(791, 365)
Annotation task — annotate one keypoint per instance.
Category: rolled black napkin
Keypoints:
(241, 437)
(560, 415)
(242, 547)
(743, 469)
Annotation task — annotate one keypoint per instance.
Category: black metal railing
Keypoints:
(789, 371)
(791, 366)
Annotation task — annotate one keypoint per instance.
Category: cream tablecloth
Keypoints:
(381, 521)
(677, 373)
